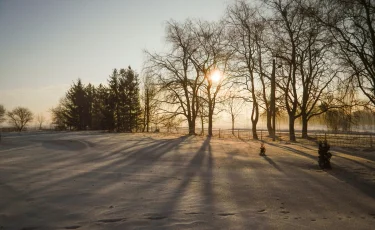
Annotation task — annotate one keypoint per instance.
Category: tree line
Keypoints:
(322, 54)
(114, 107)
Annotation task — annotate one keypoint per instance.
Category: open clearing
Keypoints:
(88, 180)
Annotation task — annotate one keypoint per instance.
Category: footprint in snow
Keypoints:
(262, 211)
(193, 213)
(226, 214)
(156, 217)
(72, 227)
(111, 220)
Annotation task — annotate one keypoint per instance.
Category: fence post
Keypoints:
(238, 133)
(219, 133)
(261, 134)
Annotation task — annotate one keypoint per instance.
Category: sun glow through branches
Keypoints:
(216, 76)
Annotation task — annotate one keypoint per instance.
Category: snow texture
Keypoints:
(91, 180)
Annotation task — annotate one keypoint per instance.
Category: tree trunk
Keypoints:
(269, 123)
(147, 111)
(210, 110)
(254, 129)
(254, 120)
(292, 135)
(202, 124)
(232, 124)
(144, 120)
(304, 126)
(210, 113)
(191, 127)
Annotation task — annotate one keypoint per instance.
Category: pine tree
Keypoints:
(115, 107)
(132, 106)
(76, 108)
(112, 102)
(89, 103)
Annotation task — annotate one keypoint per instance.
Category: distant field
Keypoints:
(351, 140)
(93, 180)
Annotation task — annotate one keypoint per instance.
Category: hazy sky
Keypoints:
(46, 45)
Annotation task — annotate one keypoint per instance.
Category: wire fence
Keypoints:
(349, 139)
(352, 139)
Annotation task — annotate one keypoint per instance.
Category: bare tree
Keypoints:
(171, 123)
(316, 67)
(2, 114)
(286, 27)
(176, 76)
(352, 24)
(58, 116)
(40, 119)
(151, 104)
(203, 110)
(304, 50)
(234, 105)
(247, 30)
(19, 117)
(210, 59)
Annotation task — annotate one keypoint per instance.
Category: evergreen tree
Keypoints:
(112, 102)
(135, 114)
(89, 103)
(76, 108)
(96, 110)
(116, 107)
(129, 103)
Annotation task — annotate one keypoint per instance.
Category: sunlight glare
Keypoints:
(216, 76)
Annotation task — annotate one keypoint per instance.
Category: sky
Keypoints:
(45, 45)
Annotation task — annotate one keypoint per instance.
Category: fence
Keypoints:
(361, 140)
(353, 139)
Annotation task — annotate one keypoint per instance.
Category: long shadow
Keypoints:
(341, 173)
(191, 170)
(353, 179)
(71, 145)
(63, 154)
(9, 144)
(71, 159)
(136, 157)
(150, 153)
(355, 153)
(28, 214)
(206, 176)
(294, 151)
(246, 198)
(103, 179)
(356, 162)
(271, 162)
(194, 168)
(29, 162)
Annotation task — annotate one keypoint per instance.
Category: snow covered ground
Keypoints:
(88, 180)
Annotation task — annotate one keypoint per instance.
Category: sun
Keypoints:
(216, 75)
